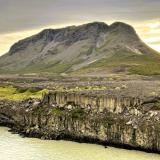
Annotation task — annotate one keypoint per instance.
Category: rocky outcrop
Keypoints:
(88, 117)
(72, 48)
(69, 34)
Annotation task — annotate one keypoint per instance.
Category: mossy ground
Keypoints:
(135, 64)
(156, 107)
(15, 94)
(121, 60)
(78, 113)
(58, 111)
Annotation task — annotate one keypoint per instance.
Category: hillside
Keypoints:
(94, 48)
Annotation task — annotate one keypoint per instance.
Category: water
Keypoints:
(14, 147)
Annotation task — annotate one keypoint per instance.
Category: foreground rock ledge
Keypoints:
(127, 122)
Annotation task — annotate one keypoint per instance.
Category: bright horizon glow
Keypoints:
(149, 32)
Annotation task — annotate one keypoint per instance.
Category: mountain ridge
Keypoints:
(73, 48)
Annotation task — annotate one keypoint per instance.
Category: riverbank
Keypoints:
(109, 115)
(32, 148)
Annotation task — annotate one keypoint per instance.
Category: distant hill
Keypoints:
(94, 48)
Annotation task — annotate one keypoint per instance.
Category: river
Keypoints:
(14, 147)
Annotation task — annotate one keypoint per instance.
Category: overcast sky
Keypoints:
(20, 18)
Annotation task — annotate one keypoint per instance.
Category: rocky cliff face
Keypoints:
(88, 117)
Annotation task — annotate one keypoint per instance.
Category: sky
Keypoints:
(23, 18)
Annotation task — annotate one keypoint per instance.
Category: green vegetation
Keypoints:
(78, 113)
(118, 61)
(122, 60)
(57, 111)
(59, 68)
(52, 67)
(148, 69)
(19, 94)
(156, 106)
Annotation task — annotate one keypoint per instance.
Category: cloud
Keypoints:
(153, 39)
(19, 15)
(155, 47)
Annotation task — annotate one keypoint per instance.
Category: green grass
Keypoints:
(78, 113)
(156, 106)
(59, 68)
(121, 59)
(53, 67)
(136, 64)
(15, 94)
(57, 111)
(148, 69)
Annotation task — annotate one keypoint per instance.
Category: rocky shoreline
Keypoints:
(126, 122)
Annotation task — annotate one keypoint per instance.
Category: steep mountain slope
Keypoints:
(93, 47)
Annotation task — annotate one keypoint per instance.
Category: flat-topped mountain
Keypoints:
(94, 48)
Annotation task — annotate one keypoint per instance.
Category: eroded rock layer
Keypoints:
(88, 117)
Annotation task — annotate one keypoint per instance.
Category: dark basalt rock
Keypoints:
(122, 26)
(70, 34)
(104, 119)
